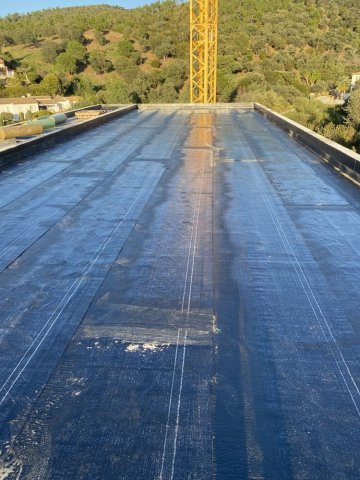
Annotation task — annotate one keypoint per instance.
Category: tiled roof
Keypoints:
(19, 101)
(48, 99)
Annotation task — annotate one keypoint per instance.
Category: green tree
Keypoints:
(15, 87)
(343, 134)
(26, 73)
(100, 37)
(353, 109)
(66, 32)
(84, 86)
(175, 73)
(165, 50)
(136, 57)
(5, 40)
(122, 64)
(99, 62)
(117, 92)
(130, 75)
(49, 51)
(76, 50)
(51, 85)
(168, 93)
(228, 64)
(66, 62)
(125, 48)
(155, 63)
(26, 36)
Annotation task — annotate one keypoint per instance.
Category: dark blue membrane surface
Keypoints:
(179, 301)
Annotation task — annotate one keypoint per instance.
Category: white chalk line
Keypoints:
(193, 225)
(169, 408)
(176, 432)
(69, 295)
(163, 241)
(182, 306)
(193, 248)
(356, 220)
(305, 283)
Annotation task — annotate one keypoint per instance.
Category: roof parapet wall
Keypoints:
(342, 158)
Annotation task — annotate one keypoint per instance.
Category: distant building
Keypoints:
(5, 72)
(36, 103)
(55, 103)
(18, 105)
(354, 79)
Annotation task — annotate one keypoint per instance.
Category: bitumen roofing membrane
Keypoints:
(179, 299)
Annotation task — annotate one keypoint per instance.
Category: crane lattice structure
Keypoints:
(203, 50)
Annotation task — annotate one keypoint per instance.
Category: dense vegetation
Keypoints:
(282, 53)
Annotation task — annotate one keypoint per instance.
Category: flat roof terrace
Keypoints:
(179, 299)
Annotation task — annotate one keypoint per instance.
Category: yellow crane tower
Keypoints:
(203, 50)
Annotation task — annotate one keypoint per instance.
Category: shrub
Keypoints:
(155, 63)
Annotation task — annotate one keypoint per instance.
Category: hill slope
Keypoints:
(277, 52)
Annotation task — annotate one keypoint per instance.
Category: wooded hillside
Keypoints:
(281, 53)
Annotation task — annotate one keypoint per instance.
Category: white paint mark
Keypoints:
(132, 347)
(169, 408)
(192, 251)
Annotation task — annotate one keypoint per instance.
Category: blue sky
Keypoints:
(23, 6)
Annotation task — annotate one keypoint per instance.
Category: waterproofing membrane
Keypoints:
(178, 299)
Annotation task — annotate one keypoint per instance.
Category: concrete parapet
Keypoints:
(196, 106)
(341, 157)
(28, 147)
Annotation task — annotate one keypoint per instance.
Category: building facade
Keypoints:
(34, 104)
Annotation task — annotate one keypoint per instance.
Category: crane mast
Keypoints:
(203, 50)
